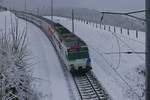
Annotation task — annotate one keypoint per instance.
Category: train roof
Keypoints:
(62, 30)
(67, 37)
(70, 41)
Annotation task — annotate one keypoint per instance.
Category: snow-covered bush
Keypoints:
(136, 77)
(15, 77)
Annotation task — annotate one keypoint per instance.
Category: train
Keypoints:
(72, 50)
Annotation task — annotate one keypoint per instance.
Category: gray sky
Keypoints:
(101, 5)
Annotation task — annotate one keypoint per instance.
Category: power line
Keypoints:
(127, 52)
(133, 12)
(128, 14)
(107, 62)
(121, 39)
(130, 48)
(118, 43)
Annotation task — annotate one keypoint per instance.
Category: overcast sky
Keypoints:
(101, 5)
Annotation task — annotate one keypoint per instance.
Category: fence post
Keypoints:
(114, 29)
(128, 31)
(136, 33)
(104, 27)
(109, 28)
(86, 22)
(121, 30)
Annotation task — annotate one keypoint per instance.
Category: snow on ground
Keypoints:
(49, 79)
(117, 72)
(6, 20)
(47, 66)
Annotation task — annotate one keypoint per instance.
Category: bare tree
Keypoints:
(15, 78)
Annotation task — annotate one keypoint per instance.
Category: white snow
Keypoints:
(47, 66)
(49, 79)
(110, 69)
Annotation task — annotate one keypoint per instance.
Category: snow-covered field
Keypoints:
(119, 73)
(49, 81)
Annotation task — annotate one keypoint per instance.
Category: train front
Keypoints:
(78, 57)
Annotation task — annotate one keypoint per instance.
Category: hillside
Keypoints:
(95, 16)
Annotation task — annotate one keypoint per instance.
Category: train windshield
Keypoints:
(78, 53)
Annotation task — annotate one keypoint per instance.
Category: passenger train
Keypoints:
(71, 49)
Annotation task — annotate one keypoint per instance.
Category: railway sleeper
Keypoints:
(96, 86)
(89, 96)
(85, 80)
(94, 81)
(82, 80)
(82, 83)
(85, 89)
(103, 98)
(84, 86)
(98, 89)
(89, 92)
(80, 77)
(101, 92)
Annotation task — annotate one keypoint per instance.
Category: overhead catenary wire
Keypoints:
(130, 48)
(117, 38)
(128, 52)
(139, 11)
(128, 14)
(119, 49)
(125, 13)
(111, 66)
(143, 43)
(114, 69)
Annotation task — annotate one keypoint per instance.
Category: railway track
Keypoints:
(87, 85)
(89, 88)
